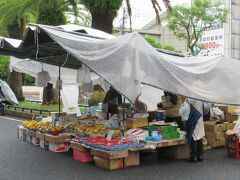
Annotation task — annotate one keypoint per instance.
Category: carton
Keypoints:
(110, 154)
(136, 123)
(21, 133)
(229, 126)
(176, 152)
(62, 138)
(44, 144)
(40, 135)
(79, 147)
(56, 114)
(227, 109)
(109, 164)
(211, 126)
(215, 139)
(32, 133)
(62, 147)
(133, 159)
(231, 118)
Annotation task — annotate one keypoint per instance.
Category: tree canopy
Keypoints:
(189, 22)
(158, 45)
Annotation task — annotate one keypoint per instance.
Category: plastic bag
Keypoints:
(42, 79)
(206, 107)
(185, 111)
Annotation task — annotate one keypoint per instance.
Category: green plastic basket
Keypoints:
(171, 136)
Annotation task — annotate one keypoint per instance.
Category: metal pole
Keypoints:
(124, 100)
(59, 89)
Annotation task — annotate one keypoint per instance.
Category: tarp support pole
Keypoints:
(59, 89)
(124, 100)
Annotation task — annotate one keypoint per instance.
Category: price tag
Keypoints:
(110, 134)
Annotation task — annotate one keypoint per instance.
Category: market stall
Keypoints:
(125, 63)
(99, 140)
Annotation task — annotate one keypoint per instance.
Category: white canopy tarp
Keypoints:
(129, 60)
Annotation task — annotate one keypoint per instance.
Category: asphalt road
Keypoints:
(21, 161)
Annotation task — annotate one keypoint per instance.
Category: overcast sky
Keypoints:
(143, 12)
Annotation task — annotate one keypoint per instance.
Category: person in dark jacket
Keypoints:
(172, 104)
(112, 100)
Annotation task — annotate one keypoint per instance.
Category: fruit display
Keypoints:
(45, 127)
(90, 129)
(93, 130)
(33, 125)
(114, 144)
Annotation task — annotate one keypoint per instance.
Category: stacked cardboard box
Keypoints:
(113, 160)
(176, 152)
(58, 143)
(136, 122)
(230, 116)
(110, 160)
(215, 133)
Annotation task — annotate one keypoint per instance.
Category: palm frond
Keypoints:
(157, 9)
(167, 4)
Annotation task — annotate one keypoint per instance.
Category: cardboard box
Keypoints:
(31, 133)
(62, 147)
(136, 123)
(211, 126)
(82, 156)
(110, 154)
(21, 133)
(133, 159)
(56, 114)
(44, 144)
(40, 135)
(62, 138)
(79, 147)
(227, 109)
(231, 118)
(109, 164)
(229, 126)
(176, 152)
(215, 139)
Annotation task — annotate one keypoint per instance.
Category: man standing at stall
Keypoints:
(112, 100)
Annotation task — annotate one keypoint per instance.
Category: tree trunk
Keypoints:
(50, 95)
(192, 50)
(16, 77)
(102, 19)
(16, 84)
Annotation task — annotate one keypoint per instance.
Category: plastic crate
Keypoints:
(83, 157)
(169, 129)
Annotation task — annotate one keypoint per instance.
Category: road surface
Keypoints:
(21, 161)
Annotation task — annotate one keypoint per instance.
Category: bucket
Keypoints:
(160, 115)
